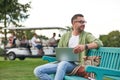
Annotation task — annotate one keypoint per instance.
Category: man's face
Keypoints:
(79, 24)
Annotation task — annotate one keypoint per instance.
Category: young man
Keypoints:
(52, 41)
(36, 44)
(78, 39)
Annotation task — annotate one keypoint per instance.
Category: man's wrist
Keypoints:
(86, 47)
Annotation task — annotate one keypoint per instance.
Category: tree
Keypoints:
(104, 39)
(12, 12)
(112, 39)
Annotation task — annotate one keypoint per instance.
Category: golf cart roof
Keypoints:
(34, 28)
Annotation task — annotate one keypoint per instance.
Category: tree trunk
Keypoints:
(5, 42)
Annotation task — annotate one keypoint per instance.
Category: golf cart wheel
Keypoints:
(21, 58)
(11, 56)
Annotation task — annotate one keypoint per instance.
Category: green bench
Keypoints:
(109, 64)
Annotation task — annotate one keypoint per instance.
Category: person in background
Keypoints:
(78, 39)
(25, 43)
(37, 44)
(14, 39)
(52, 41)
(11, 41)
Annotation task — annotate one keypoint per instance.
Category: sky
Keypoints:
(102, 16)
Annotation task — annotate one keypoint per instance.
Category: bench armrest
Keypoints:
(101, 72)
(49, 58)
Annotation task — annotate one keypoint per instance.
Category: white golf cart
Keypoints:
(22, 52)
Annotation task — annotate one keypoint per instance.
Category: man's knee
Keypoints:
(63, 64)
(37, 71)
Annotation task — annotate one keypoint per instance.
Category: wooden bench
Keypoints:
(109, 64)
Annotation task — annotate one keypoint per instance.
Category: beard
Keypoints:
(80, 28)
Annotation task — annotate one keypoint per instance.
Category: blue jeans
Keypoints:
(39, 47)
(59, 69)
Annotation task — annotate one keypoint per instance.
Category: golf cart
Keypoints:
(22, 52)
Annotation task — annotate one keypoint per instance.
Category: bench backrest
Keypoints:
(110, 57)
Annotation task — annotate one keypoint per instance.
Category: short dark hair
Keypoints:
(75, 16)
(54, 33)
(34, 34)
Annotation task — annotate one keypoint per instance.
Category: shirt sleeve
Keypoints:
(33, 41)
(91, 38)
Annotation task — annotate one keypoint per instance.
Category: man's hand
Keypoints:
(79, 48)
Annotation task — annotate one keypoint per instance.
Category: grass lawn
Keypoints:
(19, 70)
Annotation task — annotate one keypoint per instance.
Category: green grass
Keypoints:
(19, 70)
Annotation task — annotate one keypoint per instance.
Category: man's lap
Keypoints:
(39, 46)
(50, 68)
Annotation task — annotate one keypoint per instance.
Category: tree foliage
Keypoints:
(112, 39)
(13, 12)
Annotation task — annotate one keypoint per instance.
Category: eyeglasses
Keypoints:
(82, 22)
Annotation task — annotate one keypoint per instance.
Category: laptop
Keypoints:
(66, 54)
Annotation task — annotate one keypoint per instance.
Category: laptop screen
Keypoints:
(66, 54)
